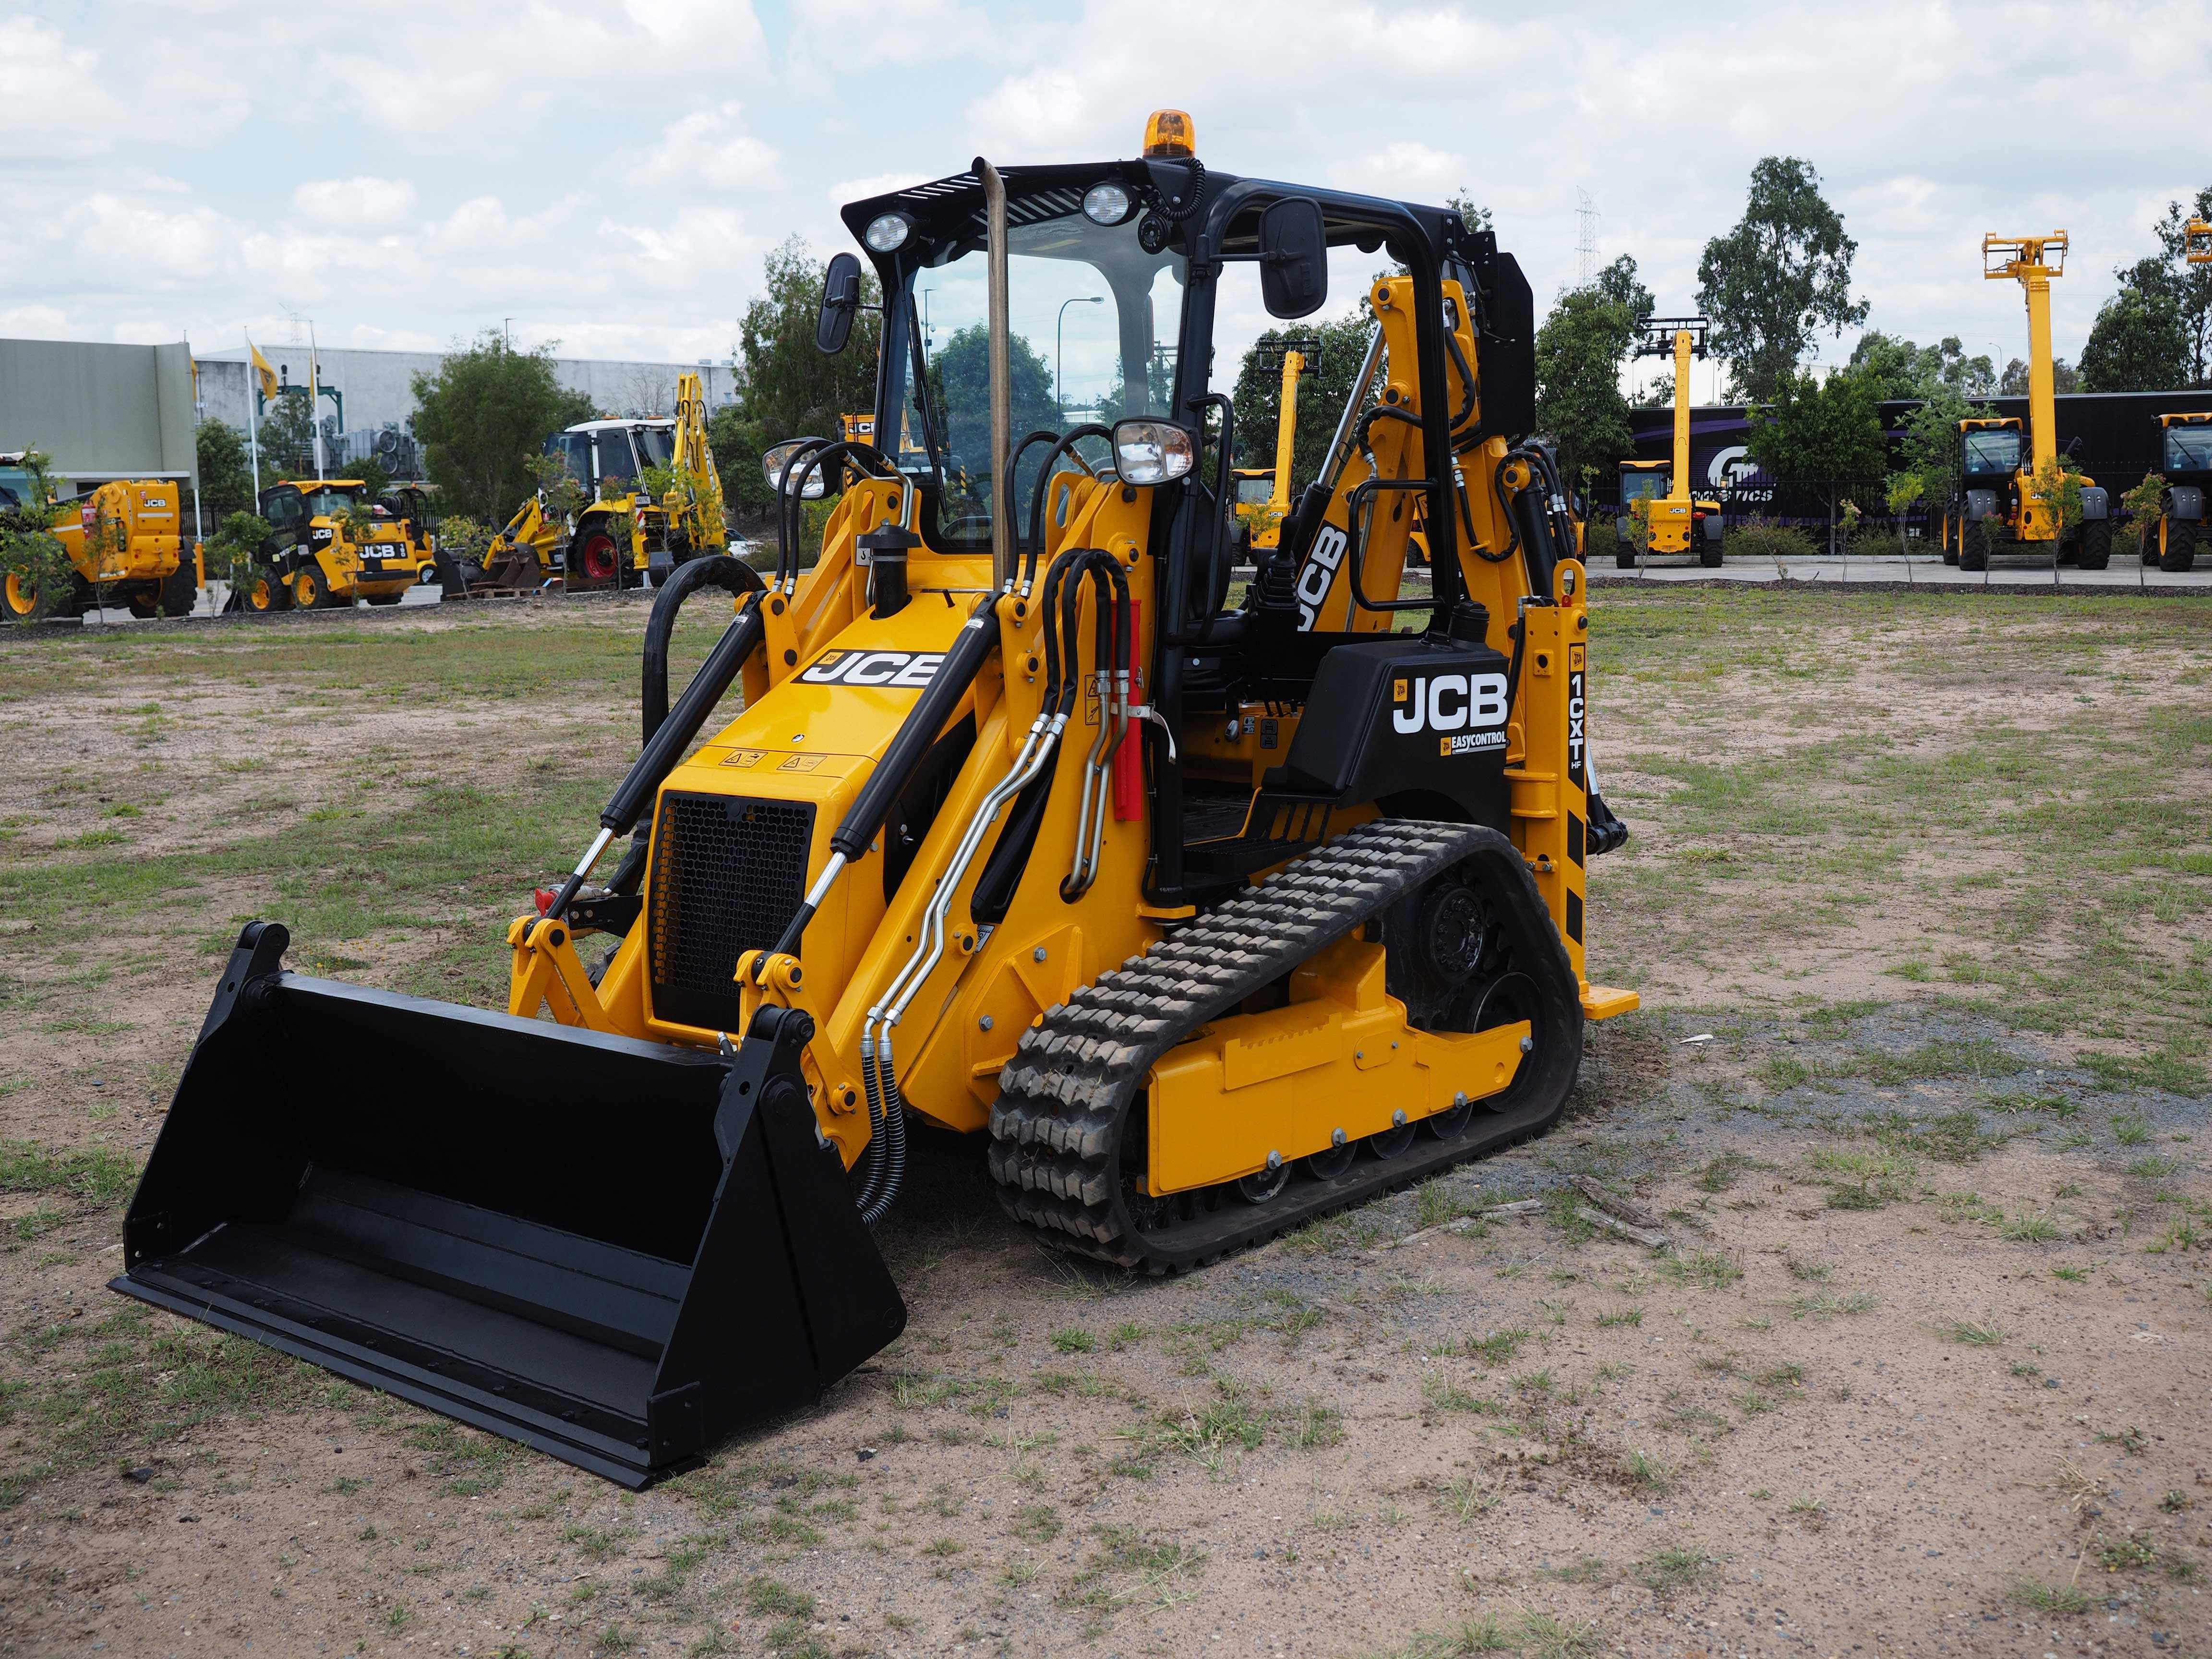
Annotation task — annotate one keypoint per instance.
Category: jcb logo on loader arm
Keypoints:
(1318, 574)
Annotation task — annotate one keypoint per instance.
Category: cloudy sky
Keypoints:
(609, 174)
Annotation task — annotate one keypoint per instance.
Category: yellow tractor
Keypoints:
(1672, 520)
(329, 544)
(1205, 922)
(612, 530)
(2011, 501)
(125, 541)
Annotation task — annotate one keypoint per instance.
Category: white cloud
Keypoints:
(361, 202)
(710, 149)
(56, 107)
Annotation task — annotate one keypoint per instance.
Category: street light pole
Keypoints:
(1059, 380)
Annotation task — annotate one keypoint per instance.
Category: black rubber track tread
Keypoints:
(1064, 1096)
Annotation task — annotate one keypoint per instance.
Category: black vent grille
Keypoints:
(728, 875)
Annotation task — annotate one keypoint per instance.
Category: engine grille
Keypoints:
(728, 875)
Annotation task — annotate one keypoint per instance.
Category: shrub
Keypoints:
(1759, 537)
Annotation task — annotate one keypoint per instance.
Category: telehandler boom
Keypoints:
(1208, 921)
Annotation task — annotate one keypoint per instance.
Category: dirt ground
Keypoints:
(1916, 897)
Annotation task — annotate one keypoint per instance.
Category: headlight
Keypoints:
(887, 232)
(776, 461)
(1103, 204)
(1154, 452)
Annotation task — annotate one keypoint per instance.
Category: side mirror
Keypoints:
(841, 298)
(1293, 258)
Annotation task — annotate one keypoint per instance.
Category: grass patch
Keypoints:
(1704, 1269)
(97, 1175)
(1974, 1333)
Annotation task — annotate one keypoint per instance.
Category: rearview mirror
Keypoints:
(841, 298)
(1293, 258)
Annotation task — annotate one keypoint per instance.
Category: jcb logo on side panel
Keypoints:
(1318, 572)
(1447, 703)
(896, 669)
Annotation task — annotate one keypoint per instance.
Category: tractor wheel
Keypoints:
(1973, 546)
(311, 589)
(2180, 546)
(1709, 553)
(261, 593)
(593, 560)
(29, 600)
(2096, 551)
(143, 603)
(1626, 561)
(1948, 541)
(2152, 536)
(180, 589)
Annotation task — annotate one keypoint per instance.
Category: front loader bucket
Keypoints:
(616, 1251)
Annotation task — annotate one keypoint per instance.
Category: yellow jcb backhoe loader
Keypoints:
(1207, 922)
(1677, 522)
(330, 544)
(620, 534)
(2004, 501)
(125, 541)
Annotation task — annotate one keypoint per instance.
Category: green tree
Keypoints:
(287, 436)
(1903, 369)
(2140, 340)
(2191, 286)
(1323, 390)
(2013, 383)
(1780, 275)
(1472, 215)
(960, 385)
(482, 415)
(226, 476)
(1820, 435)
(1619, 283)
(792, 389)
(1579, 404)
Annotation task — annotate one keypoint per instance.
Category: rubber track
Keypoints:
(1064, 1096)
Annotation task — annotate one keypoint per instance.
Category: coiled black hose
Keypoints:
(1037, 494)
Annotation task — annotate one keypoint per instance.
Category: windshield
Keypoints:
(657, 445)
(2188, 449)
(330, 500)
(1635, 486)
(1255, 492)
(1993, 450)
(1093, 322)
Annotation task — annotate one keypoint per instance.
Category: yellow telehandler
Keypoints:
(1263, 494)
(613, 531)
(2008, 502)
(1205, 921)
(125, 541)
(1672, 520)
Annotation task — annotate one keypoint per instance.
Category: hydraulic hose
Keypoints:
(1064, 446)
(978, 638)
(669, 741)
(734, 576)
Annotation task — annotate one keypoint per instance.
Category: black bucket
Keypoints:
(616, 1251)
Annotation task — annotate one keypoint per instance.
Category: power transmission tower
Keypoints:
(1586, 218)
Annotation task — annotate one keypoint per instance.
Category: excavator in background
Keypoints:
(329, 544)
(618, 533)
(1205, 920)
(2004, 502)
(125, 541)
(1677, 522)
(1263, 493)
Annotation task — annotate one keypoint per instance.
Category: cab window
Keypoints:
(573, 451)
(1993, 451)
(1636, 486)
(2188, 448)
(618, 465)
